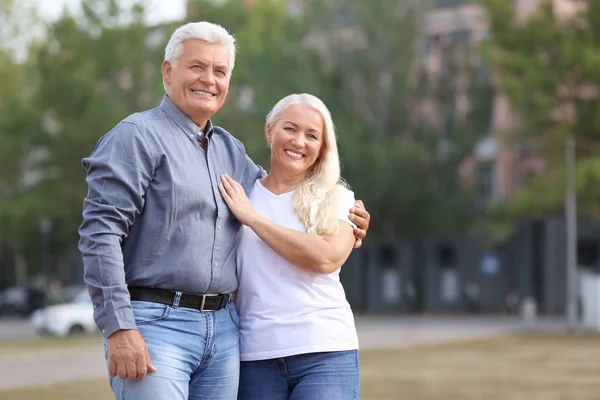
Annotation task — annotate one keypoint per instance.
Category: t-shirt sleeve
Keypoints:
(346, 203)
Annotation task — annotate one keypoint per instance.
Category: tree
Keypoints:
(271, 62)
(360, 59)
(20, 28)
(404, 166)
(87, 74)
(549, 66)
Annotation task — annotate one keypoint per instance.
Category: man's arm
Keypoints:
(252, 171)
(118, 174)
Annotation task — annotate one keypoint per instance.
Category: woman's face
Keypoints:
(296, 139)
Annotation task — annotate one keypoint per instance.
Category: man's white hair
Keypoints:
(207, 31)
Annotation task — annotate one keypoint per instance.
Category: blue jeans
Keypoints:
(196, 354)
(313, 376)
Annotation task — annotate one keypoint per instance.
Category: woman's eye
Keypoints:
(289, 129)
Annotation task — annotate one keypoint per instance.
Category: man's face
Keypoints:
(199, 82)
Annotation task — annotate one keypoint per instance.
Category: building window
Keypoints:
(587, 255)
(486, 179)
(450, 119)
(450, 3)
(448, 274)
(483, 109)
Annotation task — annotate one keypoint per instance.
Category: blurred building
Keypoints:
(500, 163)
(458, 274)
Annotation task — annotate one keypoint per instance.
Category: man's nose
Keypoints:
(207, 77)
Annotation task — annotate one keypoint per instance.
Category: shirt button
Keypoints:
(216, 264)
(218, 227)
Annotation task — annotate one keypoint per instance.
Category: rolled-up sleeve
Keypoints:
(252, 172)
(119, 171)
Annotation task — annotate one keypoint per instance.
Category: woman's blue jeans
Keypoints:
(313, 376)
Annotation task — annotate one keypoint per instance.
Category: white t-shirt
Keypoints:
(283, 309)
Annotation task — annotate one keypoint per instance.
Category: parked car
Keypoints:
(13, 301)
(75, 317)
(21, 301)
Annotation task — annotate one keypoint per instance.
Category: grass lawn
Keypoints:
(532, 367)
(77, 390)
(45, 344)
(512, 368)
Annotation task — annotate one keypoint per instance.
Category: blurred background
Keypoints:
(470, 129)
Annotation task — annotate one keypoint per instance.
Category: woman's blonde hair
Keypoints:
(316, 199)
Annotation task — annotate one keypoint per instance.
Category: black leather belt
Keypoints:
(202, 302)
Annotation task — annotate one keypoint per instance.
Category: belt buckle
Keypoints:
(204, 296)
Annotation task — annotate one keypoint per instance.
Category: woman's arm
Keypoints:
(317, 254)
(321, 255)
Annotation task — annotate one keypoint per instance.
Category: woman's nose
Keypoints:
(297, 142)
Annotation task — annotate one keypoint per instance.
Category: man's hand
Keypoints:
(361, 217)
(128, 356)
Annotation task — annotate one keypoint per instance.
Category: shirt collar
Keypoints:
(183, 121)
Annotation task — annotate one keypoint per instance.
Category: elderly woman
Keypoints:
(298, 339)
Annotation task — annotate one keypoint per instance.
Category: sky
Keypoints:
(158, 10)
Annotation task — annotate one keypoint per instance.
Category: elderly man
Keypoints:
(159, 243)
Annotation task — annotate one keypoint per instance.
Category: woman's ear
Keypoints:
(268, 130)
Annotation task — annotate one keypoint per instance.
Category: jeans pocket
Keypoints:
(235, 317)
(146, 312)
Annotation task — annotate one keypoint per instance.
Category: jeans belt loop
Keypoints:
(176, 299)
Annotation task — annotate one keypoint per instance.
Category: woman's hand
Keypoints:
(237, 201)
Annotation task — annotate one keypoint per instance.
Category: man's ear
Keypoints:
(166, 69)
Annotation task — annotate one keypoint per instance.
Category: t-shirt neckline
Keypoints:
(262, 187)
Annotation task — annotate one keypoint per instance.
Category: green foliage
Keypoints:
(91, 71)
(74, 87)
(549, 67)
(403, 167)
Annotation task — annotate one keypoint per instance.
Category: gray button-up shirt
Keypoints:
(153, 215)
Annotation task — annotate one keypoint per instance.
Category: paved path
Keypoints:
(389, 332)
(54, 366)
(15, 328)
